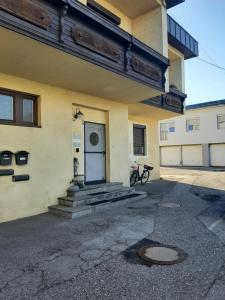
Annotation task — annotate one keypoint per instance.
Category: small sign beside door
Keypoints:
(76, 141)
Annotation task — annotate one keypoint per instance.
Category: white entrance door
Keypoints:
(94, 152)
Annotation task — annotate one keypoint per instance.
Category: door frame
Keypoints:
(103, 152)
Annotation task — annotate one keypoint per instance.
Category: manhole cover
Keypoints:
(169, 204)
(162, 254)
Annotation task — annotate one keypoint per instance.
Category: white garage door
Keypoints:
(170, 156)
(192, 155)
(217, 155)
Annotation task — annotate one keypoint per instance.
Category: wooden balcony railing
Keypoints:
(173, 101)
(76, 29)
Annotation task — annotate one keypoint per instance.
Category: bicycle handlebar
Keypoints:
(141, 164)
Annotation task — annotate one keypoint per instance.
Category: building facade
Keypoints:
(195, 139)
(83, 82)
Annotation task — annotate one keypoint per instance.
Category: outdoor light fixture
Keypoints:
(78, 114)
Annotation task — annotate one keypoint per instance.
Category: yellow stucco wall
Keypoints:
(151, 29)
(50, 165)
(152, 144)
(176, 69)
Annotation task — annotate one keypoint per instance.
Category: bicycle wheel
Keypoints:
(145, 176)
(133, 178)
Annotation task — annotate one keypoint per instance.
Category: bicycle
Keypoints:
(136, 176)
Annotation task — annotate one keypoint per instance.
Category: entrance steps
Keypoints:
(94, 198)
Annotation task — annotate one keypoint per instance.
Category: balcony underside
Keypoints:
(173, 101)
(70, 46)
(24, 57)
(150, 111)
(134, 8)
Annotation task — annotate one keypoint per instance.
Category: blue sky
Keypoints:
(205, 21)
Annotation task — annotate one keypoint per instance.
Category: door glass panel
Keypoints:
(94, 137)
(6, 107)
(95, 166)
(28, 110)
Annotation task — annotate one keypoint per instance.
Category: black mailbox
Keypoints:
(21, 157)
(6, 158)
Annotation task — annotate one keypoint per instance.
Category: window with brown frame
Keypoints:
(18, 109)
(139, 137)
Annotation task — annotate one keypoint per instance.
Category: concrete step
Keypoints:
(73, 202)
(107, 195)
(100, 205)
(70, 212)
(94, 197)
(91, 189)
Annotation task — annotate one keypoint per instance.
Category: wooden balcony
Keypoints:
(173, 101)
(75, 29)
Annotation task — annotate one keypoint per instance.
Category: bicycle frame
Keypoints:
(136, 176)
(137, 169)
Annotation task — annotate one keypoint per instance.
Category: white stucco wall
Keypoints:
(208, 133)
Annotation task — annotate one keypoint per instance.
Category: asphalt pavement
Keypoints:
(95, 257)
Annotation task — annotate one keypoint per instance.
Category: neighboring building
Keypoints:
(195, 139)
(101, 59)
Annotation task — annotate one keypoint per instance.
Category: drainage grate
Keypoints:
(99, 193)
(114, 199)
(161, 254)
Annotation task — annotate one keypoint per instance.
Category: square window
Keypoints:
(164, 131)
(221, 121)
(6, 107)
(28, 110)
(172, 127)
(18, 109)
(192, 125)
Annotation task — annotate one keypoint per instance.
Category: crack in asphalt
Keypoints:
(61, 265)
(217, 277)
(87, 256)
(44, 286)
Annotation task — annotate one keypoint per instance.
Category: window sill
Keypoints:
(20, 125)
